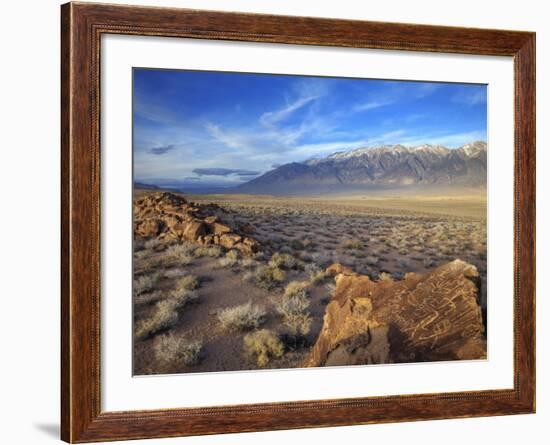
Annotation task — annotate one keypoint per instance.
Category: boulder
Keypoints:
(193, 229)
(230, 240)
(428, 317)
(219, 228)
(211, 219)
(150, 227)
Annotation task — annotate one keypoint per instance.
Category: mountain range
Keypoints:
(380, 167)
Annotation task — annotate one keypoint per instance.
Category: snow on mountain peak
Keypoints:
(471, 149)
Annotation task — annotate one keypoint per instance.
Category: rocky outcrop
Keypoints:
(428, 317)
(165, 215)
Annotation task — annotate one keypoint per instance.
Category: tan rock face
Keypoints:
(166, 215)
(149, 227)
(428, 317)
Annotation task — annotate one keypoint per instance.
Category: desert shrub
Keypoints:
(165, 312)
(170, 348)
(175, 273)
(212, 252)
(148, 298)
(398, 275)
(248, 263)
(187, 282)
(151, 244)
(305, 257)
(180, 253)
(371, 260)
(139, 244)
(403, 263)
(148, 262)
(263, 345)
(226, 262)
(296, 288)
(285, 249)
(331, 288)
(259, 256)
(249, 276)
(292, 305)
(285, 261)
(183, 296)
(230, 259)
(164, 316)
(141, 254)
(316, 274)
(268, 277)
(321, 258)
(145, 283)
(293, 309)
(298, 324)
(241, 318)
(296, 244)
(233, 254)
(352, 244)
(384, 276)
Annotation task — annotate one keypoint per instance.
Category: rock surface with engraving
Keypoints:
(165, 215)
(429, 317)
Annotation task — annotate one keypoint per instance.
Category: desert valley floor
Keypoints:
(247, 283)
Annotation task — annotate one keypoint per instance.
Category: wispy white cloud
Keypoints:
(396, 94)
(371, 105)
(471, 97)
(390, 137)
(147, 109)
(230, 138)
(273, 117)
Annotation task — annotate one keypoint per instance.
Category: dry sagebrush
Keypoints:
(164, 316)
(296, 288)
(266, 277)
(241, 318)
(172, 349)
(145, 283)
(165, 312)
(263, 345)
(293, 309)
(285, 261)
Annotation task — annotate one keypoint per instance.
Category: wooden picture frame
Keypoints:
(82, 26)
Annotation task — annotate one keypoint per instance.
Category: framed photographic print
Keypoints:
(279, 222)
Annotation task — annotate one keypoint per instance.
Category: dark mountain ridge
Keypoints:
(382, 167)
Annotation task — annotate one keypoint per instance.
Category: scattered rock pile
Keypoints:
(428, 317)
(165, 215)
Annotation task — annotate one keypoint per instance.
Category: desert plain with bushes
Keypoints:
(240, 282)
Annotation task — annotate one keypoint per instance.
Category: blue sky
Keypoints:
(214, 128)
